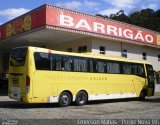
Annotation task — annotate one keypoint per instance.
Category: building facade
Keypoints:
(67, 30)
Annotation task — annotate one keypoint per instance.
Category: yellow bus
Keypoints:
(38, 75)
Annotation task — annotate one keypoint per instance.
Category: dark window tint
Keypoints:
(91, 66)
(102, 50)
(127, 68)
(18, 56)
(61, 63)
(58, 62)
(42, 61)
(158, 58)
(80, 64)
(144, 54)
(82, 49)
(100, 66)
(124, 53)
(67, 63)
(113, 67)
(138, 69)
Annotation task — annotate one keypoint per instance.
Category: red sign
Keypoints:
(79, 21)
(18, 26)
(92, 24)
(24, 23)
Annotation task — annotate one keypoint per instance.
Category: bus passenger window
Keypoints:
(91, 67)
(141, 71)
(138, 70)
(42, 61)
(80, 65)
(127, 69)
(100, 66)
(53, 62)
(58, 63)
(67, 64)
(113, 67)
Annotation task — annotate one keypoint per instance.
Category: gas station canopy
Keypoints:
(51, 24)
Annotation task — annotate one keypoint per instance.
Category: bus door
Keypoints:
(150, 79)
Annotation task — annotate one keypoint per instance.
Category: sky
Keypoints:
(9, 9)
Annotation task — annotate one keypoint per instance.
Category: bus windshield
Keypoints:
(18, 56)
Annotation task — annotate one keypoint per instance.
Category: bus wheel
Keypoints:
(64, 99)
(142, 95)
(81, 98)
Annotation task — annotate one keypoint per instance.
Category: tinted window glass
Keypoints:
(80, 64)
(141, 70)
(100, 66)
(18, 56)
(42, 61)
(58, 62)
(138, 69)
(67, 63)
(113, 67)
(127, 68)
(91, 66)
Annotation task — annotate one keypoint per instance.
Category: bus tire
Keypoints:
(142, 95)
(64, 99)
(81, 98)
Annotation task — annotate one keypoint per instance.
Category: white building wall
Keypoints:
(112, 48)
(74, 44)
(134, 51)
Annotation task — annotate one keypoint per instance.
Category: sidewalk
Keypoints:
(157, 90)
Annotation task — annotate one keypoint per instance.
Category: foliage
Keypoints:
(146, 18)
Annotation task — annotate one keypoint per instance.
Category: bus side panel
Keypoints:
(139, 84)
(100, 86)
(74, 82)
(114, 86)
(43, 86)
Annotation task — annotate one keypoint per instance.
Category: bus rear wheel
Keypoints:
(81, 98)
(64, 99)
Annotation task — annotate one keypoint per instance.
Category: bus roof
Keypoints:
(88, 55)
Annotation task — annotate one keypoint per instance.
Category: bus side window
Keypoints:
(58, 63)
(138, 69)
(37, 61)
(127, 68)
(91, 67)
(42, 61)
(141, 70)
(67, 63)
(80, 64)
(53, 62)
(113, 67)
(100, 66)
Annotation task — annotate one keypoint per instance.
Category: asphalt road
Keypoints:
(106, 110)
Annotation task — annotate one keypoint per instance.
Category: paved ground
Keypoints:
(112, 109)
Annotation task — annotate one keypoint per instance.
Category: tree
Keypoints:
(120, 16)
(146, 18)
